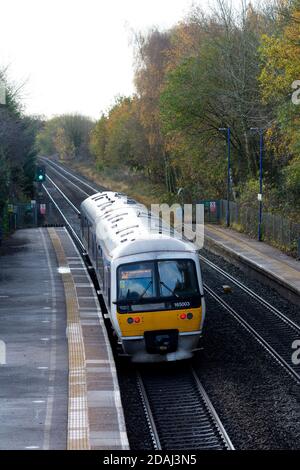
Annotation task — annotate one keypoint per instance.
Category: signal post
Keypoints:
(40, 178)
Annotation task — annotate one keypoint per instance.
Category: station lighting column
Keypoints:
(228, 130)
(261, 147)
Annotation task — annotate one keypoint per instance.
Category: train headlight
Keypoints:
(190, 315)
(137, 320)
(130, 320)
(183, 316)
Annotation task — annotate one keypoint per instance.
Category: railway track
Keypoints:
(68, 176)
(274, 331)
(179, 413)
(251, 293)
(280, 351)
(67, 222)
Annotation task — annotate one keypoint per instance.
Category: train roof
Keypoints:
(126, 227)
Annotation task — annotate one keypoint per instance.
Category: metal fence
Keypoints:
(276, 230)
(27, 215)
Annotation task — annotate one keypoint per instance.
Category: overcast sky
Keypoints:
(75, 55)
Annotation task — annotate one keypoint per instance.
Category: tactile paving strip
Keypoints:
(78, 426)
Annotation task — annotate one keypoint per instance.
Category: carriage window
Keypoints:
(136, 281)
(177, 277)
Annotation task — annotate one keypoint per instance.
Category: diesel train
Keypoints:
(149, 276)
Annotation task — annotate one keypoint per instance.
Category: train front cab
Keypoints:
(159, 308)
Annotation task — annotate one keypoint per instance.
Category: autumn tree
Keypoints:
(151, 65)
(215, 85)
(119, 139)
(67, 135)
(279, 77)
(98, 142)
(17, 150)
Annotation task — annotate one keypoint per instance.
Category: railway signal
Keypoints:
(40, 175)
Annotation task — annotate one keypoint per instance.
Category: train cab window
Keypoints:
(136, 281)
(156, 285)
(177, 277)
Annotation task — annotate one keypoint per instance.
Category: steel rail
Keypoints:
(213, 412)
(271, 351)
(68, 224)
(63, 195)
(216, 426)
(191, 423)
(51, 164)
(148, 413)
(252, 294)
(69, 181)
(280, 360)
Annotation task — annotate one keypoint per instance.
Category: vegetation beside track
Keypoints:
(134, 185)
(17, 150)
(211, 71)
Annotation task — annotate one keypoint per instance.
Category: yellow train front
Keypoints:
(150, 279)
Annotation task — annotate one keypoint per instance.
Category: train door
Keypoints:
(107, 282)
(100, 266)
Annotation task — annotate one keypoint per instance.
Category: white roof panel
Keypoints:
(126, 227)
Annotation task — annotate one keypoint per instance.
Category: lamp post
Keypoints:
(261, 147)
(228, 130)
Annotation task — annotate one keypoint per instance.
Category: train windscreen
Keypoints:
(151, 285)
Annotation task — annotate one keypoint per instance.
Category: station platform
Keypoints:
(282, 270)
(58, 382)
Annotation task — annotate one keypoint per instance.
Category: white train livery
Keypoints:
(149, 276)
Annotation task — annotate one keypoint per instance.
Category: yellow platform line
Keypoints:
(78, 425)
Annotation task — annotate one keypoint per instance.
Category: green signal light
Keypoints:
(40, 174)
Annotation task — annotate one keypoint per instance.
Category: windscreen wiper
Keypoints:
(145, 290)
(168, 288)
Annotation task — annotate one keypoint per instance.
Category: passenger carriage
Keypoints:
(149, 276)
